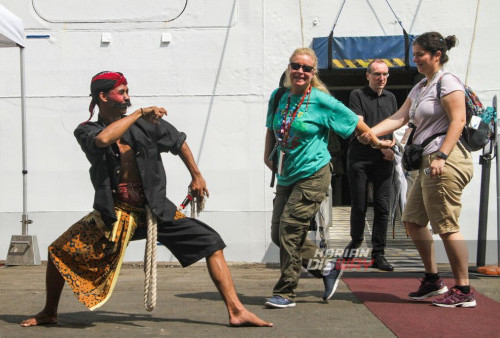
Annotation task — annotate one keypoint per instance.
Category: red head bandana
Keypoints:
(103, 82)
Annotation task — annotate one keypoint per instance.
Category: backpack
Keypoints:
(476, 132)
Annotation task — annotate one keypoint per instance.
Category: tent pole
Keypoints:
(25, 221)
(23, 249)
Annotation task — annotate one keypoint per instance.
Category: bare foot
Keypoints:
(247, 318)
(40, 318)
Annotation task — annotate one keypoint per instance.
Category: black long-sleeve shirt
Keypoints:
(148, 141)
(374, 108)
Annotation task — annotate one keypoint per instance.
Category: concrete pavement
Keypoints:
(189, 305)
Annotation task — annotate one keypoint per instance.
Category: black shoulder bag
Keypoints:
(412, 153)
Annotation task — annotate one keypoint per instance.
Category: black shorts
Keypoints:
(188, 239)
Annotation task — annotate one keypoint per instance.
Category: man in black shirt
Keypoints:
(365, 164)
(130, 192)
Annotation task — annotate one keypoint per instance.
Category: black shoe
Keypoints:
(379, 262)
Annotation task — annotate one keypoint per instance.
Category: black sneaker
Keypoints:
(428, 289)
(279, 302)
(331, 281)
(379, 262)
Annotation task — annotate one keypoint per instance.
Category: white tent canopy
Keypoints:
(11, 29)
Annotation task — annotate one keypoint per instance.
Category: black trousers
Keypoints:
(379, 172)
(188, 239)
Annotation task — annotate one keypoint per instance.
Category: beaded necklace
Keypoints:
(289, 117)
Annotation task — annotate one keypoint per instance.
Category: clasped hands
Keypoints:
(365, 138)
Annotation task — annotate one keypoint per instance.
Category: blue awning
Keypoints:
(356, 52)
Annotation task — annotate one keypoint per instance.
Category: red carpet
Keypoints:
(387, 299)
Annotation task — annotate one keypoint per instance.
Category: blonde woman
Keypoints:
(297, 137)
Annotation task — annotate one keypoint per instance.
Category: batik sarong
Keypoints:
(89, 255)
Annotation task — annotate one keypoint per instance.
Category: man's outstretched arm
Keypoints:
(198, 184)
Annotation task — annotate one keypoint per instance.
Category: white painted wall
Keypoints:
(214, 78)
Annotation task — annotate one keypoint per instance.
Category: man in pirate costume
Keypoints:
(128, 177)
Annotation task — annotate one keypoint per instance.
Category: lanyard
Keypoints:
(287, 121)
(414, 107)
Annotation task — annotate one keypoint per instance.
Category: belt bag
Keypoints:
(412, 153)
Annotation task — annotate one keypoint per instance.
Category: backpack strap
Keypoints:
(462, 138)
(438, 84)
(277, 97)
(438, 87)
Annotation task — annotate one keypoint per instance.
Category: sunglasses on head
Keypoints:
(305, 68)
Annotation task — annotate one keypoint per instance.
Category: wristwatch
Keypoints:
(442, 155)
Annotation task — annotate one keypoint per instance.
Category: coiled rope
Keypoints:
(197, 205)
(150, 261)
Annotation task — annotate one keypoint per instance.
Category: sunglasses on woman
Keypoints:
(305, 68)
